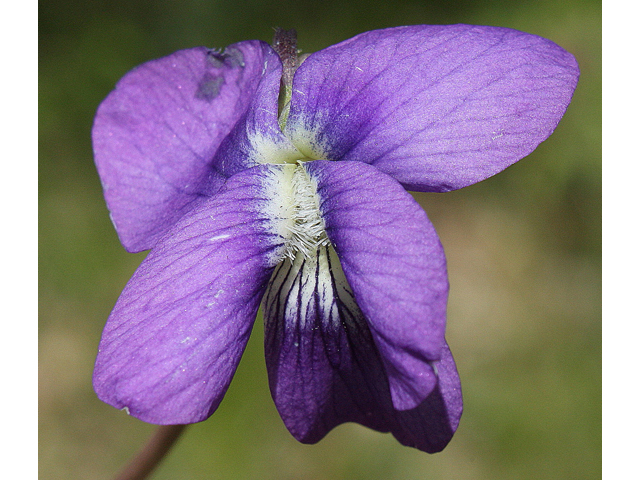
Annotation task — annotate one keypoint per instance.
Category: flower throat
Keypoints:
(307, 228)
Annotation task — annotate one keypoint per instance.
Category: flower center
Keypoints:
(306, 226)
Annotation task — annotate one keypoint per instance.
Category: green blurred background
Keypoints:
(523, 251)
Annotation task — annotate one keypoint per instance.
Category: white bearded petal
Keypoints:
(294, 212)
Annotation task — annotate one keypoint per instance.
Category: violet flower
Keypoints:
(251, 182)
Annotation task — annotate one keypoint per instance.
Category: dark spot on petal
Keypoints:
(234, 57)
(231, 57)
(209, 87)
(215, 58)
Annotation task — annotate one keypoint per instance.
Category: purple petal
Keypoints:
(175, 336)
(431, 425)
(257, 138)
(436, 107)
(395, 264)
(324, 367)
(155, 135)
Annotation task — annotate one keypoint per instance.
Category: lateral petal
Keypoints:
(431, 424)
(155, 135)
(324, 367)
(395, 265)
(436, 107)
(176, 335)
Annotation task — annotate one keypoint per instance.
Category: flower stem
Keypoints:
(285, 44)
(152, 453)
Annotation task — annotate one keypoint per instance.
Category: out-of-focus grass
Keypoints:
(523, 251)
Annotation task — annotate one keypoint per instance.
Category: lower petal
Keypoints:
(325, 369)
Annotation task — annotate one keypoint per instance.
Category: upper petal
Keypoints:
(257, 138)
(395, 265)
(175, 336)
(155, 135)
(436, 107)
